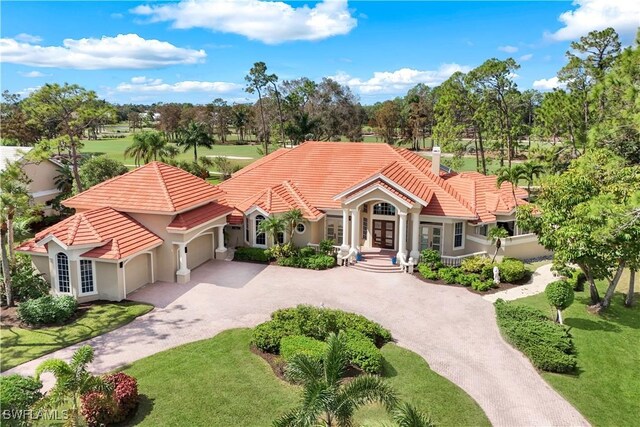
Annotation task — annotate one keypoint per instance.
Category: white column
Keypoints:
(402, 234)
(355, 221)
(221, 248)
(415, 236)
(183, 274)
(345, 229)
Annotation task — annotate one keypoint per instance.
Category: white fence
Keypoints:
(455, 261)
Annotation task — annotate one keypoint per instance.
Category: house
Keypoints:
(159, 222)
(41, 175)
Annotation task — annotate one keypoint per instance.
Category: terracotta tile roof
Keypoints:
(154, 187)
(197, 216)
(115, 234)
(381, 183)
(279, 199)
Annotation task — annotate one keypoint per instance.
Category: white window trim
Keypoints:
(93, 276)
(304, 229)
(255, 232)
(463, 235)
(57, 278)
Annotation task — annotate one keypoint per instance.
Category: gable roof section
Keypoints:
(155, 187)
(195, 217)
(279, 199)
(115, 235)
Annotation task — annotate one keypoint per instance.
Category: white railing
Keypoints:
(455, 261)
(348, 257)
(316, 246)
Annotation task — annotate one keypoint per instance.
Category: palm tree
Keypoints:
(64, 180)
(139, 150)
(531, 170)
(272, 226)
(158, 147)
(72, 380)
(292, 218)
(327, 399)
(513, 175)
(406, 415)
(240, 119)
(193, 136)
(300, 126)
(497, 234)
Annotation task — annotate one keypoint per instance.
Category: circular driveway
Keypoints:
(453, 329)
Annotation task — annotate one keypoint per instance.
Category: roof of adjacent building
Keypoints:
(10, 154)
(155, 188)
(107, 234)
(198, 216)
(311, 175)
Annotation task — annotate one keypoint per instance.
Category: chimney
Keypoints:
(435, 161)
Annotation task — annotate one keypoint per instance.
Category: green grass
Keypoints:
(219, 382)
(606, 387)
(22, 345)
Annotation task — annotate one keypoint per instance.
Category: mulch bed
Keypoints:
(9, 316)
(502, 287)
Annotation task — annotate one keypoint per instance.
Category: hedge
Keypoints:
(547, 344)
(292, 345)
(47, 310)
(363, 353)
(18, 393)
(427, 272)
(313, 262)
(475, 264)
(250, 254)
(512, 270)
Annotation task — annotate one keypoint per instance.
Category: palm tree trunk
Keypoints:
(74, 164)
(10, 238)
(264, 125)
(195, 153)
(6, 271)
(480, 144)
(628, 302)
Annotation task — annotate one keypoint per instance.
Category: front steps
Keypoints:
(376, 262)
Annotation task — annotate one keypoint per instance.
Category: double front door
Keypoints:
(384, 234)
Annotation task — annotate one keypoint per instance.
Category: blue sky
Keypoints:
(197, 51)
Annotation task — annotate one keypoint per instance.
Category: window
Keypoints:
(261, 238)
(482, 230)
(280, 238)
(86, 277)
(424, 237)
(458, 229)
(365, 228)
(339, 239)
(246, 229)
(384, 209)
(63, 273)
(331, 232)
(300, 228)
(509, 226)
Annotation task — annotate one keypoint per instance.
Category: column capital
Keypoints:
(404, 214)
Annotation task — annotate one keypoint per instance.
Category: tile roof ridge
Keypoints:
(163, 182)
(74, 224)
(298, 195)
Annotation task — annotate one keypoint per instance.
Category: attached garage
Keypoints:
(199, 250)
(137, 272)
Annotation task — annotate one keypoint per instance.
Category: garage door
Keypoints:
(137, 272)
(199, 251)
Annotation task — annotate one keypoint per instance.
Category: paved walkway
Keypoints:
(453, 329)
(539, 281)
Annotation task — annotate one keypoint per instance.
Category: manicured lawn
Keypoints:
(606, 388)
(220, 382)
(22, 345)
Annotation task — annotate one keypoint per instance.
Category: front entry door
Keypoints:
(384, 234)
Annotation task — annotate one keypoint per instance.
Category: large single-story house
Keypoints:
(158, 222)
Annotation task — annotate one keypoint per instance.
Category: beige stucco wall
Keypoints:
(41, 264)
(137, 272)
(165, 262)
(524, 250)
(199, 251)
(109, 281)
(42, 176)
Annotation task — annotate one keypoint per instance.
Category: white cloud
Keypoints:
(27, 91)
(33, 74)
(124, 51)
(399, 80)
(28, 38)
(143, 84)
(590, 15)
(526, 57)
(271, 22)
(548, 84)
(508, 49)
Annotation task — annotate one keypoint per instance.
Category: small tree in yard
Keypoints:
(272, 226)
(292, 218)
(560, 295)
(496, 234)
(99, 169)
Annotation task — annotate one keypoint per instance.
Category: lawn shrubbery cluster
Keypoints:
(287, 255)
(302, 329)
(250, 254)
(26, 282)
(311, 262)
(100, 409)
(547, 344)
(47, 310)
(475, 272)
(18, 393)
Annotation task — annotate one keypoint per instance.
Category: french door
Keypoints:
(384, 234)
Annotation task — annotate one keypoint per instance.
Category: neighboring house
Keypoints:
(158, 222)
(42, 175)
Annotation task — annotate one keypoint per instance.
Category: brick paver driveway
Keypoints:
(453, 329)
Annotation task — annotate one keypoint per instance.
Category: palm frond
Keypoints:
(335, 358)
(368, 389)
(304, 369)
(82, 356)
(406, 415)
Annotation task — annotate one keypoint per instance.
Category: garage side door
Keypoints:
(137, 272)
(199, 251)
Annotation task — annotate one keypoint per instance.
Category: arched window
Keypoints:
(261, 238)
(384, 209)
(63, 273)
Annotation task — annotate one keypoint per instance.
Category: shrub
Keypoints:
(307, 251)
(577, 280)
(482, 285)
(250, 254)
(430, 257)
(299, 344)
(281, 251)
(427, 272)
(266, 336)
(26, 282)
(355, 322)
(47, 310)
(487, 271)
(18, 393)
(560, 295)
(363, 353)
(326, 246)
(449, 275)
(314, 262)
(548, 345)
(475, 264)
(467, 279)
(99, 409)
(512, 270)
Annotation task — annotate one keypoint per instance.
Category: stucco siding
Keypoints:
(137, 272)
(199, 251)
(523, 250)
(165, 262)
(41, 264)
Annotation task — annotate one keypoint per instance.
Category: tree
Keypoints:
(292, 218)
(72, 380)
(14, 123)
(169, 121)
(257, 80)
(327, 399)
(512, 175)
(99, 169)
(240, 118)
(559, 295)
(74, 110)
(224, 166)
(496, 234)
(530, 171)
(192, 137)
(299, 127)
(221, 115)
(586, 216)
(272, 226)
(272, 79)
(387, 119)
(135, 120)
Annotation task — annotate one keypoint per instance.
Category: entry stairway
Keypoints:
(377, 262)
